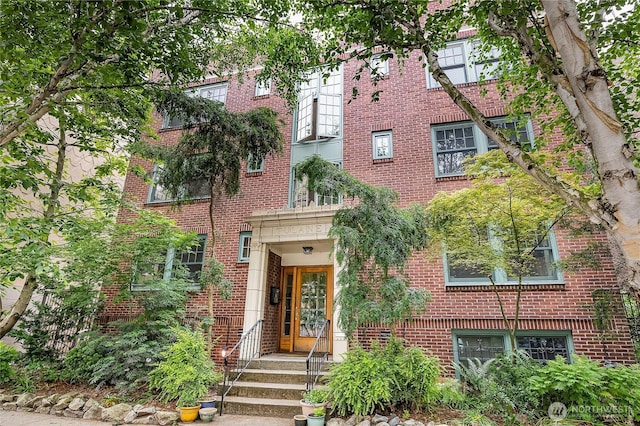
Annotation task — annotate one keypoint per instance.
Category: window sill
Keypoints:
(463, 287)
(382, 160)
(261, 97)
(242, 263)
(451, 178)
(170, 202)
(252, 174)
(169, 129)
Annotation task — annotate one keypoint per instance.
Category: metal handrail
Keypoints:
(248, 349)
(318, 355)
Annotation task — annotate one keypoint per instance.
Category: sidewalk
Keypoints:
(20, 418)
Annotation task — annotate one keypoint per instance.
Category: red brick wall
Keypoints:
(271, 312)
(408, 108)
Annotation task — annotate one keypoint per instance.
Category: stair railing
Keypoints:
(318, 355)
(246, 350)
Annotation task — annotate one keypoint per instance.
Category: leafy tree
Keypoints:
(375, 239)
(213, 145)
(496, 224)
(74, 81)
(572, 65)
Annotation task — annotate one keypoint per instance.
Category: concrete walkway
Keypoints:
(19, 418)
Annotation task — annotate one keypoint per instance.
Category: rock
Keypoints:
(25, 409)
(378, 418)
(383, 424)
(5, 397)
(147, 420)
(9, 406)
(131, 416)
(431, 423)
(42, 409)
(90, 404)
(351, 421)
(76, 404)
(419, 423)
(166, 417)
(61, 405)
(146, 410)
(115, 413)
(54, 398)
(409, 422)
(138, 407)
(25, 399)
(72, 413)
(366, 422)
(336, 422)
(93, 413)
(37, 401)
(394, 421)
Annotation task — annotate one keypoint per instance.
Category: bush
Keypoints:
(500, 386)
(8, 356)
(584, 383)
(126, 357)
(186, 372)
(382, 377)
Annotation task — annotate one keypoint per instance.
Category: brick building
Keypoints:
(273, 235)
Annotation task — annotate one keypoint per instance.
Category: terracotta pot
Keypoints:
(189, 414)
(300, 420)
(307, 408)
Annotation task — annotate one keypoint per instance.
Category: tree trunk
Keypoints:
(619, 206)
(51, 204)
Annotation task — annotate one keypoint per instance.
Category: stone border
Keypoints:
(77, 405)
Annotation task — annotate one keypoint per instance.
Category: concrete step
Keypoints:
(267, 390)
(282, 408)
(274, 376)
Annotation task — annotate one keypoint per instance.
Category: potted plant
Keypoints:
(313, 399)
(317, 417)
(185, 374)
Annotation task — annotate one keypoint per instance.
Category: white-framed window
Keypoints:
(192, 260)
(244, 247)
(255, 165)
(382, 145)
(379, 66)
(214, 92)
(263, 88)
(454, 142)
(543, 268)
(319, 111)
(158, 194)
(541, 345)
(302, 196)
(463, 62)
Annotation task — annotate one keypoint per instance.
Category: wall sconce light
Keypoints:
(307, 250)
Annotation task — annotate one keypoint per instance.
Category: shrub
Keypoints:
(584, 383)
(186, 372)
(8, 356)
(500, 386)
(316, 396)
(382, 377)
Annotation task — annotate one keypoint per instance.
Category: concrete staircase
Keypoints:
(272, 386)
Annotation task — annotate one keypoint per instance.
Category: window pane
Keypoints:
(263, 88)
(193, 259)
(305, 118)
(215, 93)
(483, 348)
(543, 348)
(456, 75)
(452, 163)
(329, 115)
(244, 249)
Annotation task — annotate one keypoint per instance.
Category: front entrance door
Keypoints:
(306, 305)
